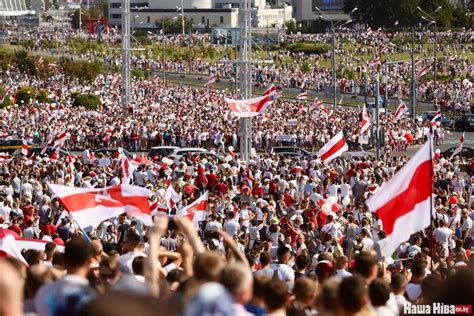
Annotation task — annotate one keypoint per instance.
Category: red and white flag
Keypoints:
(89, 207)
(334, 148)
(171, 197)
(459, 147)
(302, 96)
(401, 110)
(403, 204)
(211, 80)
(128, 168)
(435, 117)
(48, 141)
(60, 139)
(423, 71)
(369, 31)
(375, 61)
(4, 95)
(384, 50)
(54, 155)
(249, 107)
(270, 91)
(197, 210)
(24, 148)
(8, 246)
(303, 84)
(365, 124)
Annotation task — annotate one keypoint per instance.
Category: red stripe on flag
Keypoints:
(417, 191)
(337, 146)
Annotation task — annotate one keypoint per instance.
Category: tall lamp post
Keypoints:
(182, 16)
(334, 27)
(431, 20)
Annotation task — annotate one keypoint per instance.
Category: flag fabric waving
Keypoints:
(334, 148)
(302, 96)
(423, 71)
(24, 148)
(271, 90)
(403, 204)
(365, 124)
(197, 210)
(171, 197)
(89, 207)
(401, 110)
(249, 107)
(8, 246)
(435, 117)
(128, 168)
(60, 139)
(211, 80)
(459, 147)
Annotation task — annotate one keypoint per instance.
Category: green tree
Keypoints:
(25, 95)
(170, 25)
(291, 27)
(89, 101)
(25, 63)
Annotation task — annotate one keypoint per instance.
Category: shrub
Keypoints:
(89, 101)
(309, 48)
(24, 95)
(42, 97)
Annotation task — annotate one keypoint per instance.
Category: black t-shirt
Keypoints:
(122, 229)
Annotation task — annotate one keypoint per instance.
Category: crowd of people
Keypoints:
(279, 235)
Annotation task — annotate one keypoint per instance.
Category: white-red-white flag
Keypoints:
(249, 107)
(270, 91)
(60, 139)
(365, 124)
(24, 148)
(89, 207)
(8, 246)
(211, 80)
(334, 148)
(54, 155)
(197, 210)
(403, 204)
(423, 71)
(302, 96)
(4, 95)
(435, 117)
(171, 197)
(401, 110)
(459, 147)
(128, 168)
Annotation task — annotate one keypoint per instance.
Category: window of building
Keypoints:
(203, 19)
(115, 5)
(328, 5)
(116, 16)
(148, 19)
(222, 19)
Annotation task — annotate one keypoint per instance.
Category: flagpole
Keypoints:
(431, 241)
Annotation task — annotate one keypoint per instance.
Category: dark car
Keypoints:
(466, 152)
(445, 121)
(292, 151)
(10, 145)
(37, 152)
(112, 152)
(465, 123)
(161, 151)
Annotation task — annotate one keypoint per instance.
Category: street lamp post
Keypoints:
(182, 16)
(432, 20)
(334, 27)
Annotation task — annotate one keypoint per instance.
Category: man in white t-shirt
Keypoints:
(442, 235)
(231, 226)
(281, 269)
(466, 229)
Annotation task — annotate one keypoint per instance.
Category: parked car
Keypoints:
(292, 151)
(465, 123)
(446, 122)
(37, 152)
(466, 152)
(161, 151)
(10, 145)
(179, 153)
(112, 152)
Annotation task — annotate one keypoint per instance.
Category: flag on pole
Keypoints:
(89, 207)
(60, 139)
(197, 210)
(302, 96)
(404, 203)
(128, 168)
(401, 110)
(423, 71)
(435, 118)
(24, 148)
(334, 148)
(249, 107)
(365, 124)
(270, 91)
(303, 84)
(171, 197)
(211, 80)
(459, 147)
(4, 95)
